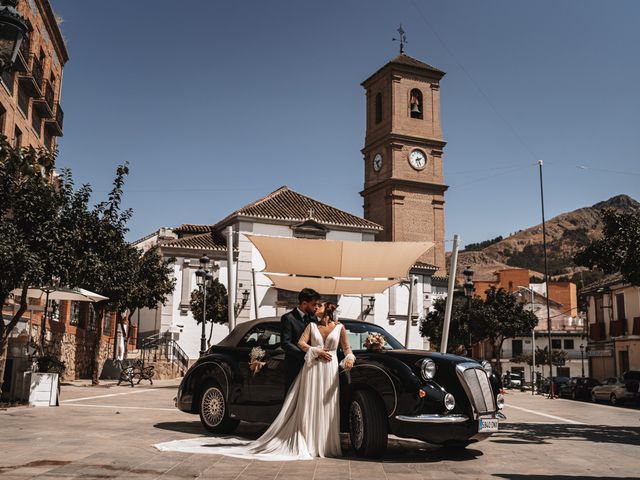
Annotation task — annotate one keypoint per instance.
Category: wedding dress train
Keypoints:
(308, 425)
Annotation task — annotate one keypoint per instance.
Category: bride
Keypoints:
(308, 425)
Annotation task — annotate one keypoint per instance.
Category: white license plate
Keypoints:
(487, 425)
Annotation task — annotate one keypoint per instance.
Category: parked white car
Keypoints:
(615, 390)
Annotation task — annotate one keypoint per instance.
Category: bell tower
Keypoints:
(403, 181)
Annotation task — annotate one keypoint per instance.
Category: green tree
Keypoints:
(462, 332)
(217, 305)
(504, 317)
(619, 248)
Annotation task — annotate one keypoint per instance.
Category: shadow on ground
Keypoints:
(532, 433)
(398, 450)
(521, 476)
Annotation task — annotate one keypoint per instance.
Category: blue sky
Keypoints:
(215, 104)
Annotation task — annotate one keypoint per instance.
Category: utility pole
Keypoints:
(449, 304)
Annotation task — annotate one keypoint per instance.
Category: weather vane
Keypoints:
(402, 39)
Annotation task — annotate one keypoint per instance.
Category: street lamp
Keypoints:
(52, 286)
(582, 358)
(240, 305)
(13, 29)
(203, 279)
(369, 309)
(468, 292)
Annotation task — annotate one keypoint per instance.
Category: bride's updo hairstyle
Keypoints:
(329, 309)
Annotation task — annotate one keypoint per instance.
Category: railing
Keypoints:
(596, 331)
(55, 124)
(617, 328)
(161, 347)
(48, 94)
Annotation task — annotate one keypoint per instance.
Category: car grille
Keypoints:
(476, 383)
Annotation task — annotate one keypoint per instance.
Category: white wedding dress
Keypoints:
(308, 425)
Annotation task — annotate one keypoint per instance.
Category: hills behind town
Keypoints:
(567, 233)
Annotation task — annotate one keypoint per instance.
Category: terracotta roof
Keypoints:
(288, 205)
(407, 61)
(202, 241)
(423, 266)
(192, 228)
(605, 281)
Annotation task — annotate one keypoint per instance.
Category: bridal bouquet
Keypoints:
(375, 341)
(255, 360)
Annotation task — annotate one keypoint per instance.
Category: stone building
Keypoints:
(30, 111)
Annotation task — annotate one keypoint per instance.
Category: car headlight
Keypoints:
(500, 401)
(486, 366)
(428, 369)
(449, 402)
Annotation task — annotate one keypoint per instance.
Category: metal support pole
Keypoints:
(203, 337)
(409, 312)
(546, 283)
(449, 304)
(533, 345)
(255, 292)
(44, 322)
(231, 282)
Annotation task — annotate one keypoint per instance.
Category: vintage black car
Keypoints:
(434, 397)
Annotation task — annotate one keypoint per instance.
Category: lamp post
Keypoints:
(369, 309)
(582, 358)
(13, 29)
(203, 279)
(52, 286)
(533, 342)
(468, 292)
(240, 305)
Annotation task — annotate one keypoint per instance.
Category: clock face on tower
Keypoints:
(417, 159)
(377, 162)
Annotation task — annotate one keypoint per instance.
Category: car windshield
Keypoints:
(357, 333)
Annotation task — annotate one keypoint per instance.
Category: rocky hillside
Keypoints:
(566, 234)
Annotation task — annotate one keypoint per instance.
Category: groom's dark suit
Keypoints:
(293, 324)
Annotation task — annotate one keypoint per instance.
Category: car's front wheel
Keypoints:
(214, 414)
(368, 429)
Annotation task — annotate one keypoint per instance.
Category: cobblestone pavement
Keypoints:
(109, 432)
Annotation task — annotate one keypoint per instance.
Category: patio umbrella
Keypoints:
(71, 294)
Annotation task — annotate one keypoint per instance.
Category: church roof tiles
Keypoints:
(202, 241)
(287, 205)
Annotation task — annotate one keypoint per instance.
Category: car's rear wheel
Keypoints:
(368, 428)
(594, 399)
(214, 413)
(613, 400)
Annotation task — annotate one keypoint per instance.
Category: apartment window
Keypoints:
(3, 118)
(556, 344)
(599, 310)
(36, 121)
(75, 313)
(48, 139)
(108, 320)
(7, 79)
(516, 348)
(568, 344)
(91, 318)
(620, 306)
(23, 101)
(17, 137)
(378, 108)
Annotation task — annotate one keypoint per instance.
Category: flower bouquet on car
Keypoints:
(374, 342)
(255, 360)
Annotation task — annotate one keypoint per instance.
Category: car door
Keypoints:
(265, 384)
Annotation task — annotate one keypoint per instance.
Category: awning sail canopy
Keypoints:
(333, 258)
(334, 267)
(331, 286)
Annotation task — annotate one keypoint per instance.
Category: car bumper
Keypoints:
(440, 429)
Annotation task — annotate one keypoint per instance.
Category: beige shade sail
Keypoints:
(71, 294)
(331, 286)
(334, 258)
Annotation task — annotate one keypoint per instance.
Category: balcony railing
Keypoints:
(54, 124)
(617, 328)
(45, 104)
(596, 331)
(636, 326)
(33, 78)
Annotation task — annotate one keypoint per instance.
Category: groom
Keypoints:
(293, 324)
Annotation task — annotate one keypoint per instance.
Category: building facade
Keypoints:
(30, 111)
(613, 312)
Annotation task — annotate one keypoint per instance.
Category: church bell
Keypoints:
(415, 108)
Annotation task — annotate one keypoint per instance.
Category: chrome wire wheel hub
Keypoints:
(213, 406)
(356, 424)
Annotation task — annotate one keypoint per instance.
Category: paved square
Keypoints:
(100, 432)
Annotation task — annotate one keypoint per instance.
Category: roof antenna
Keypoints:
(402, 39)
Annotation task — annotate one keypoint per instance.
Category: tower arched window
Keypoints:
(378, 107)
(415, 103)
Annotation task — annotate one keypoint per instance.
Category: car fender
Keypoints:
(218, 368)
